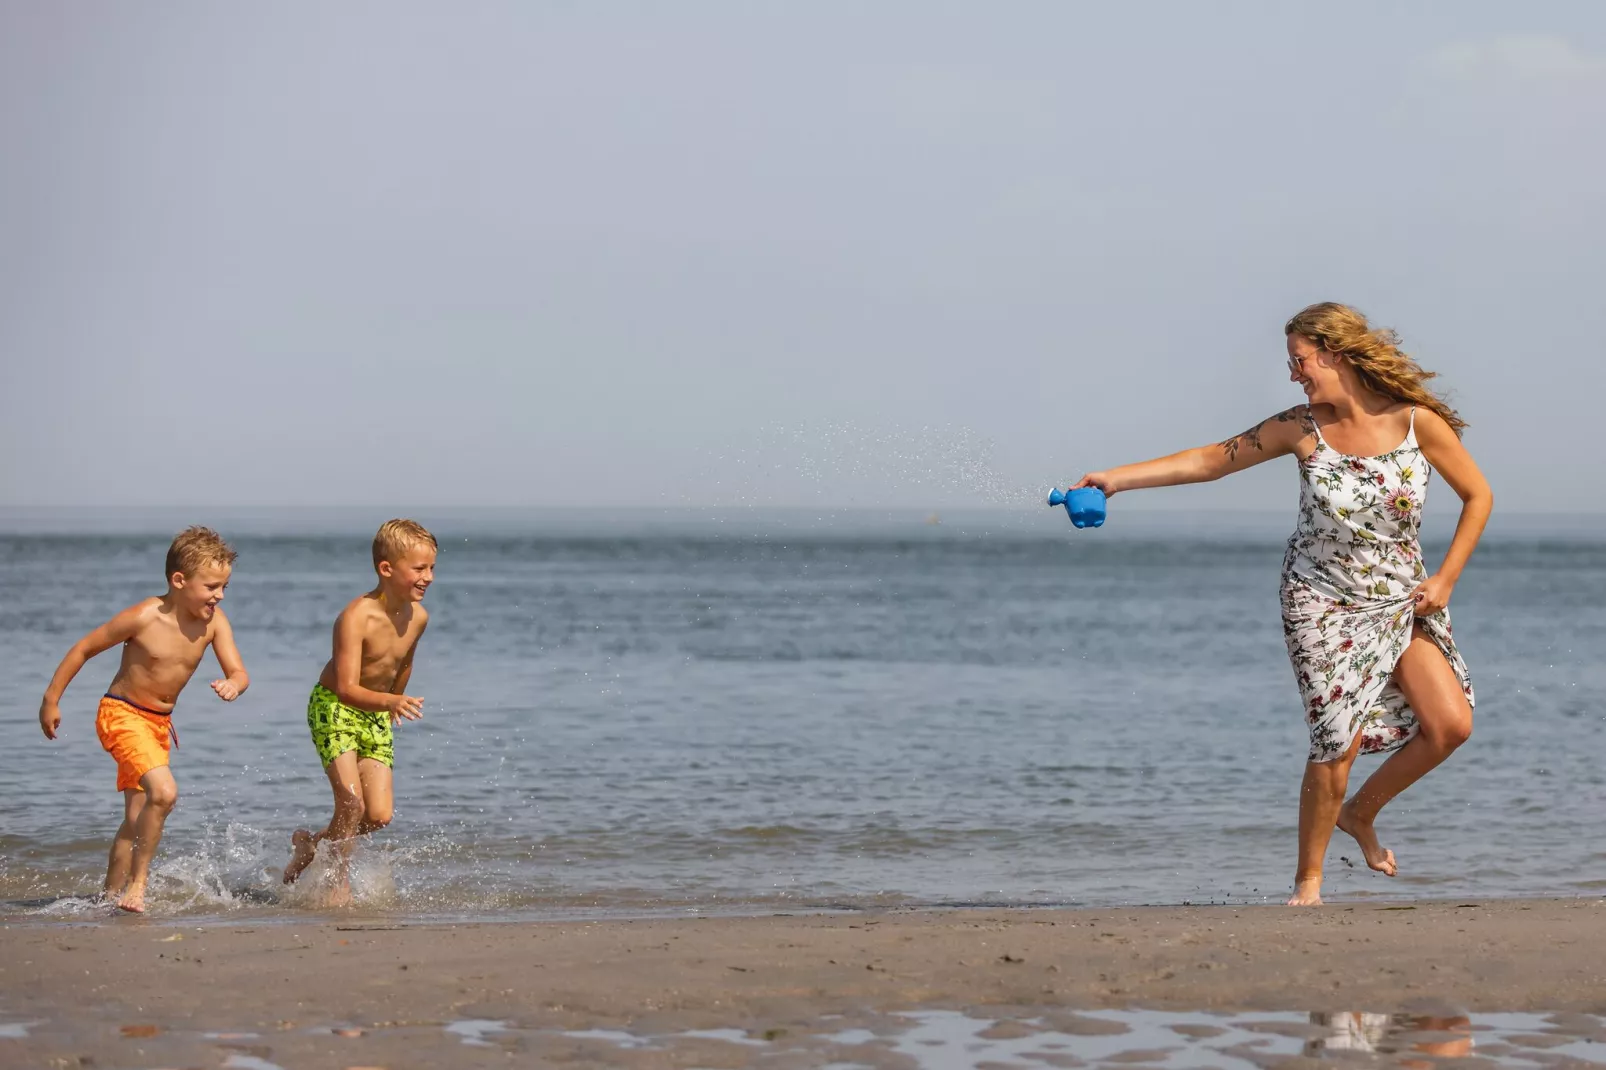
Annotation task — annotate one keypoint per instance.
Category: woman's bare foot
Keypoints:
(1378, 857)
(133, 900)
(303, 849)
(1307, 893)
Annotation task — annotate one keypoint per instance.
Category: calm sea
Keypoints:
(749, 713)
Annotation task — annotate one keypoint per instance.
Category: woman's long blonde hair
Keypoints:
(1374, 353)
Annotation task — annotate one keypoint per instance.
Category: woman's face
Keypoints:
(1313, 368)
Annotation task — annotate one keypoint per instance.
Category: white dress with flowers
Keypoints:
(1351, 567)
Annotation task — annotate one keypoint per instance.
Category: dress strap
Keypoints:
(1410, 435)
(1316, 427)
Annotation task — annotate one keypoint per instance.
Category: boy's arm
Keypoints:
(235, 678)
(348, 674)
(120, 629)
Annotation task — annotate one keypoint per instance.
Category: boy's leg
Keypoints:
(161, 793)
(360, 808)
(303, 849)
(346, 781)
(122, 852)
(376, 793)
(334, 739)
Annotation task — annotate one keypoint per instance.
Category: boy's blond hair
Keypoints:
(195, 548)
(396, 537)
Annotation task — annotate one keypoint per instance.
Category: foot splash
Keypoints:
(303, 849)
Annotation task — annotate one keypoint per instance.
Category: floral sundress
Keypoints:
(1351, 567)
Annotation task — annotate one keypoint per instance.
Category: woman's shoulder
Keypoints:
(1287, 431)
(1299, 419)
(1430, 427)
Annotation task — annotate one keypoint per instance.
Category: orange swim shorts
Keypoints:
(137, 737)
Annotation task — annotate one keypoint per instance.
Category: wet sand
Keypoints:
(141, 992)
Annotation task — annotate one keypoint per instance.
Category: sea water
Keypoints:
(752, 713)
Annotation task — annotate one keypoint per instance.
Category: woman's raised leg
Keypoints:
(1444, 720)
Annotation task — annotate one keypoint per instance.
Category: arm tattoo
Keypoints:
(1250, 439)
(1307, 422)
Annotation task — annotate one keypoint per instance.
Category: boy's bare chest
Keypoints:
(383, 641)
(167, 646)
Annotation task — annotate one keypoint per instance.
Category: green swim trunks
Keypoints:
(337, 728)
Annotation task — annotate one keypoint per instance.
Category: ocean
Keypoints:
(746, 713)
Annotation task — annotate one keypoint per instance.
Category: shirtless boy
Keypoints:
(163, 641)
(361, 694)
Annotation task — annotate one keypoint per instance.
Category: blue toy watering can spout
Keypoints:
(1084, 505)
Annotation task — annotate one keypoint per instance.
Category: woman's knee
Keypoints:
(1329, 779)
(377, 815)
(1449, 735)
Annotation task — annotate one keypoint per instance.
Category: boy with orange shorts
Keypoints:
(163, 640)
(361, 694)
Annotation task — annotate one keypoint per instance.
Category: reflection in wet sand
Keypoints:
(1390, 1034)
(924, 1039)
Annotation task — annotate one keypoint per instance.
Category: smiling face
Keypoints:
(198, 593)
(1314, 369)
(409, 576)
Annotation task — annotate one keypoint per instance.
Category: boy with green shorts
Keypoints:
(361, 694)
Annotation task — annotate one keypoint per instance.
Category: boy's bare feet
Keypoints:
(1307, 893)
(1378, 857)
(303, 849)
(133, 900)
(339, 895)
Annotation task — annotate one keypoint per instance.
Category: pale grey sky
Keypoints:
(716, 253)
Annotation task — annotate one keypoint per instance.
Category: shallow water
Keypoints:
(734, 716)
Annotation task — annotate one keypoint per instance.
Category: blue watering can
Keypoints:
(1084, 505)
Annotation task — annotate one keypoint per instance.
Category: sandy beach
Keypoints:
(364, 991)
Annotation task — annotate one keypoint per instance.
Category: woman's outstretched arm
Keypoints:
(1274, 436)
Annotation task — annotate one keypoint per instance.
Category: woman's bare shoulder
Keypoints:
(1274, 436)
(1433, 429)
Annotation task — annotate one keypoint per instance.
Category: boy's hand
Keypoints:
(49, 718)
(225, 690)
(405, 706)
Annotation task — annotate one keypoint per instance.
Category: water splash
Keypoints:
(837, 462)
(236, 866)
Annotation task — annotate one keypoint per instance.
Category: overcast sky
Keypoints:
(719, 253)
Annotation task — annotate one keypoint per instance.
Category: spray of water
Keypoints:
(235, 866)
(834, 463)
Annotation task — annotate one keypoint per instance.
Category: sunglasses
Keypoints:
(1296, 365)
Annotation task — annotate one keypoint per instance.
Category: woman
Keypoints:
(1366, 624)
